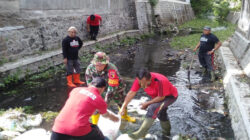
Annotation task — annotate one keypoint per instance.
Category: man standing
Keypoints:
(73, 120)
(93, 23)
(101, 67)
(70, 47)
(163, 94)
(206, 51)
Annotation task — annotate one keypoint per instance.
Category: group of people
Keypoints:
(104, 84)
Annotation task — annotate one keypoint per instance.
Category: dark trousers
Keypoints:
(73, 66)
(206, 61)
(95, 134)
(160, 109)
(94, 32)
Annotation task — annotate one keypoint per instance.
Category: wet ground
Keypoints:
(199, 112)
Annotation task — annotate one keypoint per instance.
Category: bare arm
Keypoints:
(88, 27)
(217, 46)
(129, 97)
(197, 46)
(155, 100)
(110, 116)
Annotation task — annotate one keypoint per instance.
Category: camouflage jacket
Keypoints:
(91, 73)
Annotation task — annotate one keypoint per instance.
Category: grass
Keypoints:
(190, 41)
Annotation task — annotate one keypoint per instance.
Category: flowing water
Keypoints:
(199, 112)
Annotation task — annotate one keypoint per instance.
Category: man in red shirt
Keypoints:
(93, 23)
(163, 94)
(73, 120)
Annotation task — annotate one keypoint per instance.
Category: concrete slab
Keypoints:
(237, 92)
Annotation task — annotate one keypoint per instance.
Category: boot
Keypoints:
(95, 118)
(212, 76)
(77, 80)
(69, 80)
(204, 71)
(147, 123)
(126, 117)
(166, 127)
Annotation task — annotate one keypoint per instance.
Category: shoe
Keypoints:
(77, 80)
(166, 127)
(69, 81)
(212, 76)
(126, 117)
(204, 72)
(95, 118)
(147, 123)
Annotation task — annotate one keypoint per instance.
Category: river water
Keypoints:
(199, 112)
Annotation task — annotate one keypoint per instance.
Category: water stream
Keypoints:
(197, 113)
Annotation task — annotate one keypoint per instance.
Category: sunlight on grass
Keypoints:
(190, 41)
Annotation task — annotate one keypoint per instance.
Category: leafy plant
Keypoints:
(221, 10)
(201, 7)
(153, 3)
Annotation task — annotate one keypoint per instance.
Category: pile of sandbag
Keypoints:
(14, 122)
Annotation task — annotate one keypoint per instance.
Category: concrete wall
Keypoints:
(240, 42)
(39, 26)
(168, 12)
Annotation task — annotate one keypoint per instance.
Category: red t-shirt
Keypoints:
(159, 86)
(95, 22)
(73, 119)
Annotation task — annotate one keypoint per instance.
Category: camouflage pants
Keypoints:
(116, 95)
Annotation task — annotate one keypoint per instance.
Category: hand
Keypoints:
(122, 111)
(210, 52)
(195, 49)
(65, 61)
(114, 118)
(144, 106)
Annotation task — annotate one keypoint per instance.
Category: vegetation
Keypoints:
(48, 116)
(153, 3)
(190, 41)
(217, 8)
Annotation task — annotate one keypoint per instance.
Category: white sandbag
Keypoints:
(109, 128)
(13, 120)
(34, 134)
(124, 137)
(6, 135)
(135, 105)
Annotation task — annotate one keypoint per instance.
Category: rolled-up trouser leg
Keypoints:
(155, 110)
(202, 60)
(70, 67)
(209, 62)
(76, 66)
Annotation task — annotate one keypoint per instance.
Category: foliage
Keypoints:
(221, 10)
(2, 61)
(48, 116)
(153, 3)
(201, 7)
(237, 6)
(190, 41)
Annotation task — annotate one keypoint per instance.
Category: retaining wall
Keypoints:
(166, 12)
(35, 27)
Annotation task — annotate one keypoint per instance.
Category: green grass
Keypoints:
(190, 41)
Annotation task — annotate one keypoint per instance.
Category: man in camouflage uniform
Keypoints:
(101, 67)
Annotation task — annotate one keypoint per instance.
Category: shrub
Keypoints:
(221, 10)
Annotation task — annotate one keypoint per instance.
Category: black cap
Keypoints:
(207, 28)
(99, 82)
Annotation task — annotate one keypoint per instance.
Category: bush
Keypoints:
(221, 10)
(153, 3)
(202, 7)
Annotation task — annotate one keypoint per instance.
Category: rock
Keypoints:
(35, 134)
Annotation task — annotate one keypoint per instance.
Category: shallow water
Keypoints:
(190, 115)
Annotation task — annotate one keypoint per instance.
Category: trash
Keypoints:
(124, 137)
(27, 99)
(34, 134)
(6, 135)
(135, 105)
(15, 120)
(109, 128)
